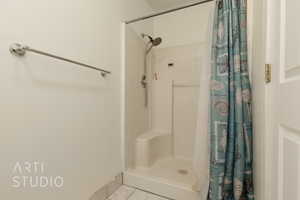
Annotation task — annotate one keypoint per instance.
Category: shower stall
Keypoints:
(165, 74)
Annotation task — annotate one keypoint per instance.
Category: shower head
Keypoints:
(155, 42)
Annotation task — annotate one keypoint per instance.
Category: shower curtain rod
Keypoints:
(167, 11)
(20, 50)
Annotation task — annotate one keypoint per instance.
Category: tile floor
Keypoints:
(128, 193)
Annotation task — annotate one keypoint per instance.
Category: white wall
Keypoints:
(54, 112)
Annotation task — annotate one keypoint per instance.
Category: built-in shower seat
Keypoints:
(152, 146)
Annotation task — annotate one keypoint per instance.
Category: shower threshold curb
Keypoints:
(159, 187)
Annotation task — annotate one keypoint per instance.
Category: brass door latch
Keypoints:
(268, 73)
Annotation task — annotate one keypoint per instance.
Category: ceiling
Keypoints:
(165, 4)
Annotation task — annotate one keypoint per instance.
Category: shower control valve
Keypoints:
(144, 81)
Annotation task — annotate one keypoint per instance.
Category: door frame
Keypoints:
(263, 94)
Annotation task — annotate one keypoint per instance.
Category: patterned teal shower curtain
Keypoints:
(231, 174)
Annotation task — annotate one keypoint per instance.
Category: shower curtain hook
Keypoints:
(220, 4)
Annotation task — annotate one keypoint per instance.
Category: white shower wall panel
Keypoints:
(185, 120)
(177, 106)
(187, 26)
(137, 115)
(185, 39)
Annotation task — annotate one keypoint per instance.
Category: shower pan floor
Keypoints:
(171, 177)
(172, 171)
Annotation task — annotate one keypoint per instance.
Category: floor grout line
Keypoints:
(148, 192)
(131, 193)
(134, 190)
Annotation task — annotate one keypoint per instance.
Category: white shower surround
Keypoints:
(147, 169)
(173, 28)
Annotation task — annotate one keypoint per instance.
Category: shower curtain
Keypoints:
(231, 174)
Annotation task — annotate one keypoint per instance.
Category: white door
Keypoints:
(284, 99)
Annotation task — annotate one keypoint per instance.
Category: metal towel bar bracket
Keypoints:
(20, 50)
